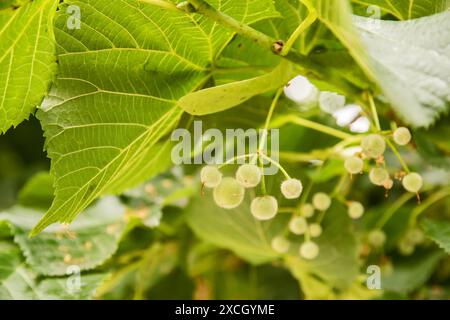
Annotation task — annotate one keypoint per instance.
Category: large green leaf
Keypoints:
(91, 240)
(439, 232)
(120, 78)
(411, 61)
(406, 9)
(27, 59)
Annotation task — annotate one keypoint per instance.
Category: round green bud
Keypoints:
(264, 208)
(291, 188)
(355, 210)
(412, 182)
(248, 175)
(405, 247)
(321, 201)
(376, 238)
(210, 176)
(315, 230)
(309, 250)
(373, 145)
(415, 236)
(402, 136)
(307, 210)
(353, 165)
(378, 176)
(298, 225)
(280, 244)
(229, 194)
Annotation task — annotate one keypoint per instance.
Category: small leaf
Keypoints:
(37, 192)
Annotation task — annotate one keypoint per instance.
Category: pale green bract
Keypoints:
(229, 95)
(27, 59)
(121, 76)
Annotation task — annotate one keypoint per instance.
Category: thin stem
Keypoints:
(301, 157)
(263, 178)
(305, 195)
(307, 22)
(320, 217)
(268, 119)
(428, 203)
(307, 234)
(279, 166)
(286, 210)
(398, 155)
(374, 111)
(240, 28)
(338, 188)
(311, 125)
(393, 209)
(230, 161)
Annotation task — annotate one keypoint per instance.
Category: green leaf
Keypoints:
(417, 92)
(411, 272)
(438, 231)
(9, 259)
(154, 264)
(91, 240)
(406, 9)
(19, 282)
(250, 239)
(416, 81)
(336, 16)
(37, 192)
(229, 95)
(115, 99)
(27, 59)
(24, 285)
(5, 230)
